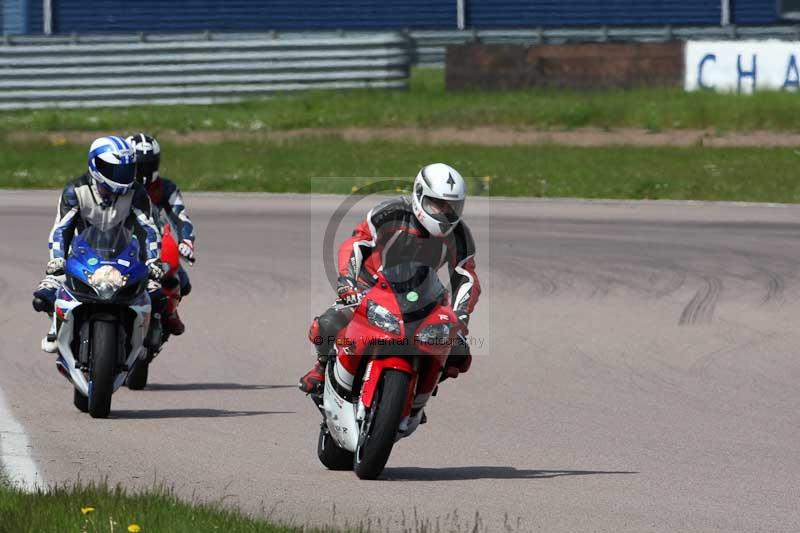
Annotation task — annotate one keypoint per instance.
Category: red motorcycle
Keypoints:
(388, 364)
(157, 334)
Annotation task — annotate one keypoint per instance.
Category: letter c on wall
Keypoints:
(707, 57)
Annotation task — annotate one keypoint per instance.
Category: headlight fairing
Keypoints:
(379, 316)
(434, 334)
(106, 281)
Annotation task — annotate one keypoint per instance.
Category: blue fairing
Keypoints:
(84, 261)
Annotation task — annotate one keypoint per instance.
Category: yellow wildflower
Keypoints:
(134, 528)
(87, 510)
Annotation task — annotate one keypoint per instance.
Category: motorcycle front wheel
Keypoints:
(104, 367)
(379, 429)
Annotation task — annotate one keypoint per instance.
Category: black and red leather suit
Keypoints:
(390, 235)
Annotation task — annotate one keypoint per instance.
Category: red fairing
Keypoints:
(440, 315)
(360, 333)
(169, 251)
(438, 352)
(360, 339)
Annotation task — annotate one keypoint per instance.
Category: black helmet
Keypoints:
(148, 157)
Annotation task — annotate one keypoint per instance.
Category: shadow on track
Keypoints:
(212, 386)
(483, 472)
(190, 413)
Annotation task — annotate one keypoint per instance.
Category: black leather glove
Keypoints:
(45, 293)
(155, 272)
(348, 290)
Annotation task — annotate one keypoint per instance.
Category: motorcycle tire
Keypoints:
(137, 377)
(375, 444)
(104, 367)
(330, 454)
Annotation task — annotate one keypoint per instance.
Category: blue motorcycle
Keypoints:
(102, 315)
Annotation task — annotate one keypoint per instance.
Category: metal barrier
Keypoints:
(94, 71)
(211, 67)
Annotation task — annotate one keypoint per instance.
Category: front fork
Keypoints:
(413, 413)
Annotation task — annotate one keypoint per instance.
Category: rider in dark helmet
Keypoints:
(426, 226)
(167, 205)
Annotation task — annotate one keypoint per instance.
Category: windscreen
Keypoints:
(108, 243)
(414, 277)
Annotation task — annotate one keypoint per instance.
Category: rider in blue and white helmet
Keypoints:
(112, 165)
(105, 196)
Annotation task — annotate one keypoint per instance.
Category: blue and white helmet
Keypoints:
(112, 164)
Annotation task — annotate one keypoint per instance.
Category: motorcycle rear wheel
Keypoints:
(137, 378)
(330, 454)
(80, 401)
(104, 366)
(380, 428)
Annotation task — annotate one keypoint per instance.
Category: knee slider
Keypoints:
(330, 322)
(314, 330)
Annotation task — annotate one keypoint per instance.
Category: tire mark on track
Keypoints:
(775, 287)
(523, 268)
(667, 273)
(700, 309)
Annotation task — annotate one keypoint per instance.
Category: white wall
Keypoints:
(742, 66)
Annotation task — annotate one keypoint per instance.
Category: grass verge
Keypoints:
(748, 174)
(96, 508)
(427, 104)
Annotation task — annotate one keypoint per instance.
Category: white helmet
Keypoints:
(112, 164)
(438, 198)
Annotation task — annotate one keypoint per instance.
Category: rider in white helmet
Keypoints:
(105, 196)
(426, 227)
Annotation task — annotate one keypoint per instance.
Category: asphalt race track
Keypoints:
(639, 372)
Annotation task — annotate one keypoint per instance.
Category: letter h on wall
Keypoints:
(741, 74)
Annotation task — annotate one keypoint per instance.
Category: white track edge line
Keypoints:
(16, 459)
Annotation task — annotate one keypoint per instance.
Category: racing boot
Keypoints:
(44, 298)
(313, 381)
(49, 344)
(174, 324)
(172, 291)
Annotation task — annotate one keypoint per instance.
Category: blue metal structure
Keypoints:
(527, 13)
(116, 16)
(13, 16)
(755, 11)
(250, 15)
